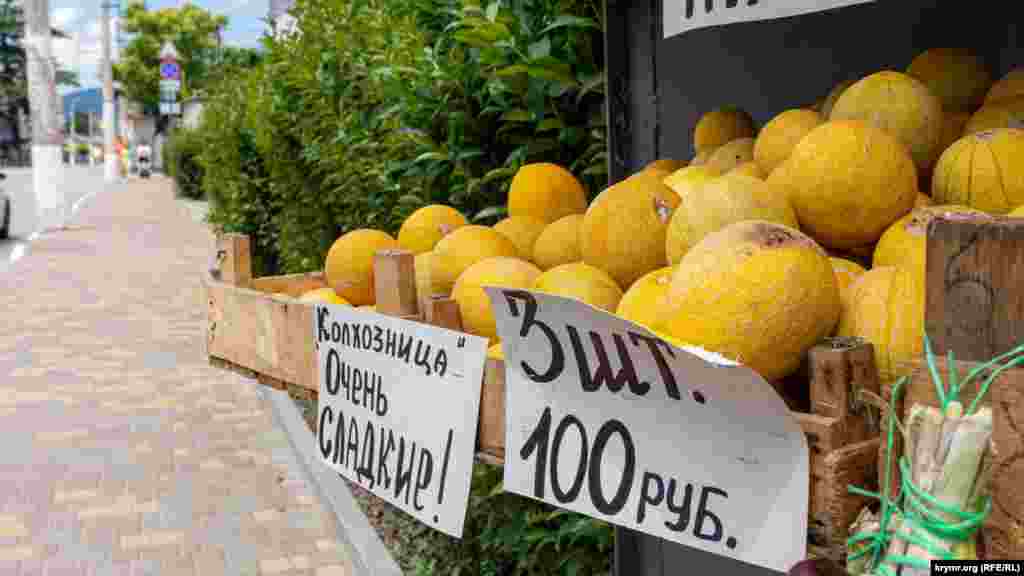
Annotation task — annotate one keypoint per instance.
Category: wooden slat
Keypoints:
(294, 285)
(395, 283)
(233, 259)
(491, 435)
(840, 368)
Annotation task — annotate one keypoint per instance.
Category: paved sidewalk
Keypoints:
(124, 452)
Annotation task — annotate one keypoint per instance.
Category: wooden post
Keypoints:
(491, 436)
(840, 368)
(395, 283)
(442, 311)
(974, 306)
(233, 264)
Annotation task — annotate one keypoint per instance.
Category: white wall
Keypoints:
(77, 181)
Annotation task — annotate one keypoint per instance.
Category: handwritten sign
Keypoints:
(398, 408)
(684, 15)
(608, 420)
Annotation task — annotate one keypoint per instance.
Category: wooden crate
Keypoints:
(273, 337)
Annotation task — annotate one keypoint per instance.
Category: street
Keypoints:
(83, 181)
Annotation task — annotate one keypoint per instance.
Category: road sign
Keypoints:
(168, 51)
(170, 108)
(169, 69)
(170, 85)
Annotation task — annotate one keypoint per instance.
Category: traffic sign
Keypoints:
(170, 70)
(168, 51)
(170, 85)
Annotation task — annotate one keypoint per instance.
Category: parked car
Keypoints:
(5, 211)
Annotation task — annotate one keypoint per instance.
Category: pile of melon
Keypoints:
(766, 241)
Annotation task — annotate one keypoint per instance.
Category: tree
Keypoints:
(13, 65)
(191, 29)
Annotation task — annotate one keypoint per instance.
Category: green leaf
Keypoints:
(550, 124)
(596, 170)
(590, 84)
(516, 115)
(567, 20)
(492, 11)
(490, 212)
(430, 156)
(549, 68)
(540, 49)
(513, 70)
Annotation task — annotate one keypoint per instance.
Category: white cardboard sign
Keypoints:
(397, 410)
(608, 420)
(684, 15)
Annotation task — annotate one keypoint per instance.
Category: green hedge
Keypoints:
(181, 159)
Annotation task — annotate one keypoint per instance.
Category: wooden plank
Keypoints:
(840, 368)
(233, 262)
(395, 283)
(853, 464)
(974, 302)
(270, 335)
(974, 306)
(442, 311)
(294, 285)
(491, 429)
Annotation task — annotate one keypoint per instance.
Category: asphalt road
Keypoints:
(86, 180)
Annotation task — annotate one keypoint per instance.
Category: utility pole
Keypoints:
(47, 134)
(110, 159)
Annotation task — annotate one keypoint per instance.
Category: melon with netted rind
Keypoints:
(983, 170)
(757, 292)
(847, 272)
(903, 244)
(623, 231)
(475, 305)
(833, 95)
(701, 158)
(523, 232)
(776, 140)
(325, 295)
(847, 182)
(720, 126)
(465, 247)
(559, 243)
(425, 227)
(902, 106)
(546, 192)
(431, 280)
(751, 169)
(957, 76)
(1008, 113)
(643, 301)
(731, 154)
(716, 204)
(583, 282)
(886, 307)
(1009, 86)
(666, 164)
(348, 267)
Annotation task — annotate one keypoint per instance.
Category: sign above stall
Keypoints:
(606, 419)
(681, 16)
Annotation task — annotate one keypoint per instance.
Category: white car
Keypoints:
(5, 211)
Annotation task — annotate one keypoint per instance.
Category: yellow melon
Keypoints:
(923, 200)
(731, 155)
(1017, 212)
(955, 75)
(886, 307)
(685, 179)
(720, 202)
(545, 192)
(643, 301)
(846, 271)
(496, 352)
(582, 282)
(721, 126)
(523, 232)
(465, 247)
(900, 105)
(429, 282)
(425, 227)
(903, 244)
(776, 140)
(833, 95)
(559, 243)
(848, 181)
(701, 158)
(749, 169)
(983, 170)
(757, 292)
(325, 295)
(1007, 87)
(349, 264)
(474, 304)
(667, 164)
(1007, 113)
(623, 231)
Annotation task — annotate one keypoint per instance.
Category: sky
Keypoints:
(84, 16)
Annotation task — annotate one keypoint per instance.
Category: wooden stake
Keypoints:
(233, 263)
(840, 368)
(442, 311)
(395, 283)
(491, 437)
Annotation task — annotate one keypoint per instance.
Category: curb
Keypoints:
(370, 556)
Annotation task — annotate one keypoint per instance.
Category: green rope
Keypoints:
(920, 513)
